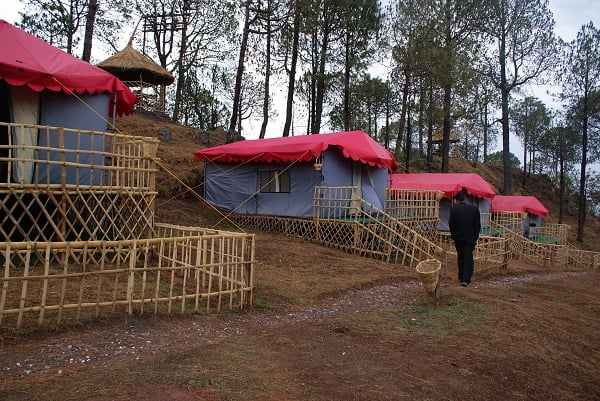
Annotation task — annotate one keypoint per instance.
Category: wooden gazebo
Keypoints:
(146, 78)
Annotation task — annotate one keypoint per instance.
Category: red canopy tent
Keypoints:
(27, 60)
(515, 203)
(449, 183)
(355, 145)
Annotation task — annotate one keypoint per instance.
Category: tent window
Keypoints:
(274, 181)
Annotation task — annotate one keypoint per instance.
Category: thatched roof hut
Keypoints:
(438, 136)
(131, 65)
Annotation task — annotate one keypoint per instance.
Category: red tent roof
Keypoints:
(449, 183)
(355, 145)
(27, 60)
(515, 203)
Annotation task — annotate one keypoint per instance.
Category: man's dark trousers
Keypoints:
(464, 254)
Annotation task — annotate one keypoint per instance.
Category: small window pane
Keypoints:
(275, 181)
(284, 181)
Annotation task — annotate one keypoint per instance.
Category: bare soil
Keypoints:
(331, 326)
(326, 325)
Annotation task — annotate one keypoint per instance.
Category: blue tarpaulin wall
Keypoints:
(90, 113)
(235, 187)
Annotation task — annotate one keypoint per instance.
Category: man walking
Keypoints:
(464, 225)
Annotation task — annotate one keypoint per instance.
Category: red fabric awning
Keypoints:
(27, 60)
(355, 145)
(517, 203)
(449, 183)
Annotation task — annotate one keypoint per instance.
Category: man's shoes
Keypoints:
(464, 284)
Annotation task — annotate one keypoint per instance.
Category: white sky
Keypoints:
(569, 16)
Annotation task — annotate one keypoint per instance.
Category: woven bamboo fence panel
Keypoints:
(150, 96)
(543, 254)
(512, 221)
(583, 259)
(554, 233)
(377, 233)
(546, 245)
(81, 185)
(413, 205)
(337, 203)
(491, 253)
(105, 278)
(345, 221)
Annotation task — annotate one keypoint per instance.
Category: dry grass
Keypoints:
(332, 326)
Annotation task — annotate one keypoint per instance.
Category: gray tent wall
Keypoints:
(235, 187)
(532, 224)
(89, 114)
(482, 204)
(338, 172)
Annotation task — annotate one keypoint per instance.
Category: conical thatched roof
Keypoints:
(438, 136)
(131, 65)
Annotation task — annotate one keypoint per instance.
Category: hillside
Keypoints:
(178, 169)
(325, 325)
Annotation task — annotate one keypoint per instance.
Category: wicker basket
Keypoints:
(429, 273)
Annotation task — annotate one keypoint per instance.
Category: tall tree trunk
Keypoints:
(504, 90)
(525, 141)
(181, 63)
(386, 140)
(485, 132)
(312, 103)
(507, 190)
(89, 30)
(320, 96)
(347, 83)
(238, 78)
(447, 86)
(421, 116)
(408, 143)
(446, 127)
(263, 127)
(561, 205)
(292, 79)
(582, 178)
(430, 128)
(402, 123)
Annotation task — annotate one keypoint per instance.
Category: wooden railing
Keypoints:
(204, 271)
(59, 184)
(413, 205)
(382, 235)
(37, 156)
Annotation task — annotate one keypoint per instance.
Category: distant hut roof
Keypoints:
(131, 65)
(438, 136)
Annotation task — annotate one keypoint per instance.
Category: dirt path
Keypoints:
(133, 339)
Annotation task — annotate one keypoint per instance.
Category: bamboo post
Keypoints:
(45, 284)
(23, 290)
(211, 272)
(63, 289)
(131, 277)
(7, 258)
(63, 179)
(173, 255)
(161, 255)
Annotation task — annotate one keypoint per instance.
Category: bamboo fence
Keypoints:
(413, 205)
(344, 221)
(78, 238)
(546, 245)
(78, 186)
(201, 271)
(151, 98)
(553, 233)
(583, 259)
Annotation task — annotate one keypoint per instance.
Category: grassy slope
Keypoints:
(178, 168)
